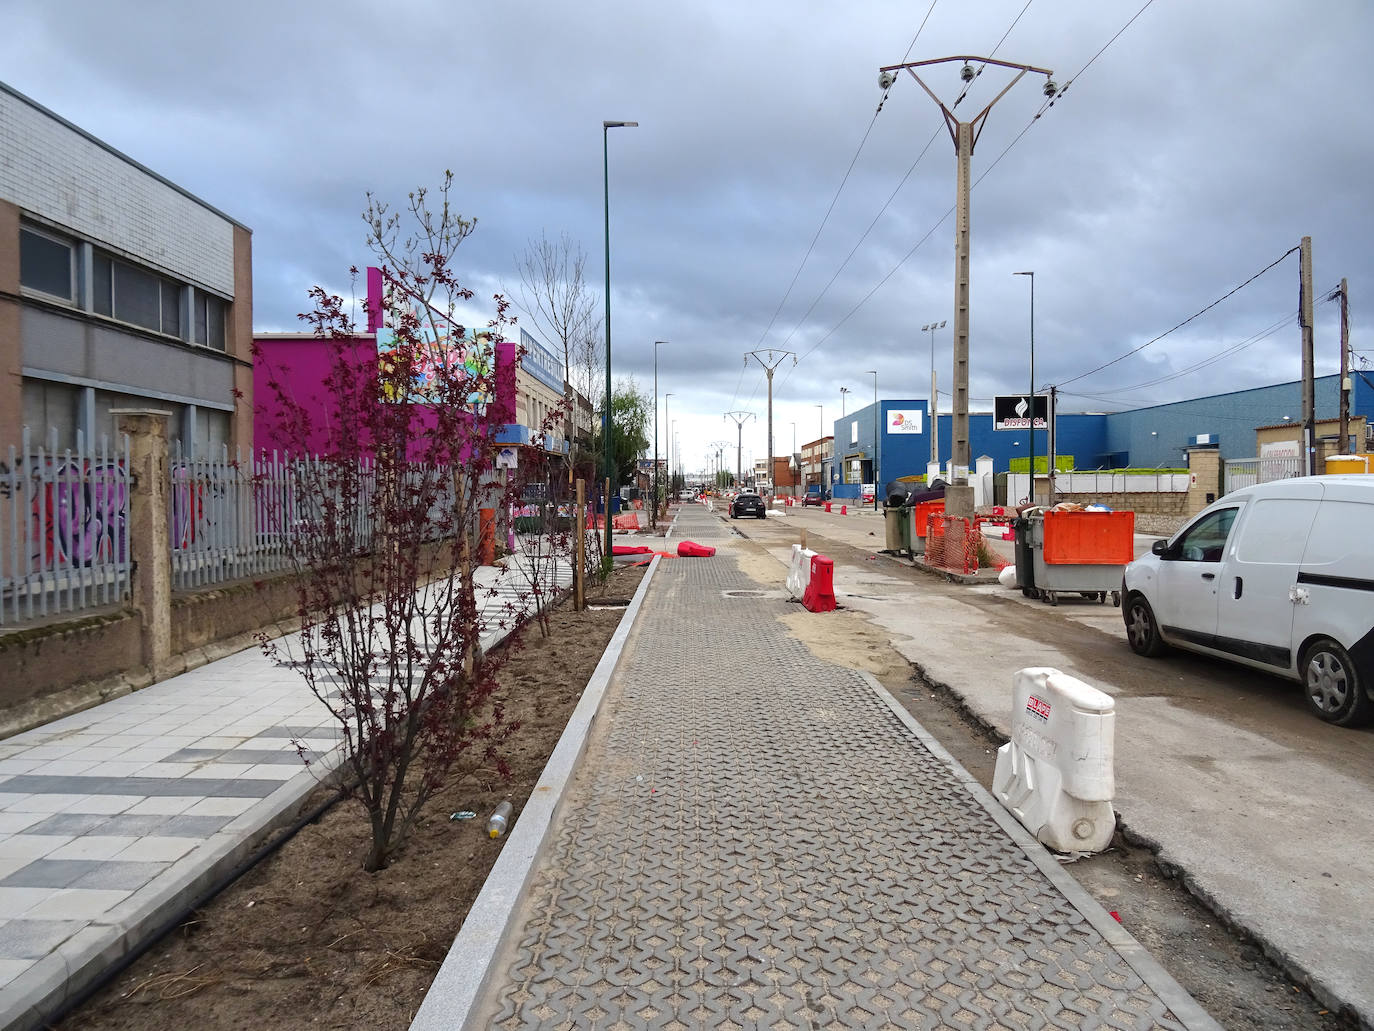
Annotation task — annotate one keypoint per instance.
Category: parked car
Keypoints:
(814, 496)
(1278, 577)
(748, 504)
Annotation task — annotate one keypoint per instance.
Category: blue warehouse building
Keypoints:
(1152, 437)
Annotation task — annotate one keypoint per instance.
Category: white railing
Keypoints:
(64, 528)
(1246, 472)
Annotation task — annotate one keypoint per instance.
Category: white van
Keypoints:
(1280, 577)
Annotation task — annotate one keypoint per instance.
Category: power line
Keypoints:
(840, 189)
(1190, 318)
(1044, 107)
(902, 182)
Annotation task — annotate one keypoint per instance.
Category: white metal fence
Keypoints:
(1246, 472)
(64, 521)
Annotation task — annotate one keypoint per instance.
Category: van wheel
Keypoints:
(1142, 632)
(1331, 684)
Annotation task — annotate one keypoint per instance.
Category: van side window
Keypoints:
(1205, 541)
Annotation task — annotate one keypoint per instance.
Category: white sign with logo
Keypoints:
(507, 458)
(904, 420)
(1281, 449)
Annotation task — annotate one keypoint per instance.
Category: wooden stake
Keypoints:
(580, 549)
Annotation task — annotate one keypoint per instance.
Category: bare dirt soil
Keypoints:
(307, 939)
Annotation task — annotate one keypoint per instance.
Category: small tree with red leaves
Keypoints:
(386, 514)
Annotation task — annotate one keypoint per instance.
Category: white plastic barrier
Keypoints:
(799, 570)
(1055, 774)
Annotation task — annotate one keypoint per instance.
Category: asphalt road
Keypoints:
(1260, 807)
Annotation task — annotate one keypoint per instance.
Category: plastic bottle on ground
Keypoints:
(499, 821)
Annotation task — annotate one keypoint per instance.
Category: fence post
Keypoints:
(150, 540)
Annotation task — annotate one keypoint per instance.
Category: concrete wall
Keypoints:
(66, 176)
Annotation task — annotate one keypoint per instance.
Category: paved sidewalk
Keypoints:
(114, 819)
(755, 838)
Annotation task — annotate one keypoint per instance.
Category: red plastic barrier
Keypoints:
(627, 521)
(691, 549)
(844, 510)
(630, 549)
(827, 506)
(820, 589)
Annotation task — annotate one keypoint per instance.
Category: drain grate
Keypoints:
(745, 594)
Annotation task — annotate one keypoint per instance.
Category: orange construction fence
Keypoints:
(952, 543)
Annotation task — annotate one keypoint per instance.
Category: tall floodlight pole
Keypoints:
(653, 513)
(740, 419)
(1031, 400)
(770, 360)
(606, 208)
(668, 459)
(877, 441)
(959, 497)
(934, 395)
(843, 391)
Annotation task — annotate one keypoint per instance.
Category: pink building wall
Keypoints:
(296, 366)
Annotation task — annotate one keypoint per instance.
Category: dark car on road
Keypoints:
(814, 497)
(748, 504)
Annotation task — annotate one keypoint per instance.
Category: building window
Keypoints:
(46, 264)
(50, 412)
(135, 295)
(207, 320)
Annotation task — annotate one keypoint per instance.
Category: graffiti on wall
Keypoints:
(78, 512)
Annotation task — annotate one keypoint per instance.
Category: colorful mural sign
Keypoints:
(463, 352)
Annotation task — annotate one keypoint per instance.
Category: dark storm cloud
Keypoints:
(1199, 147)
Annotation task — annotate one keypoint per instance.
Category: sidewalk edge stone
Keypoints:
(467, 968)
(1169, 991)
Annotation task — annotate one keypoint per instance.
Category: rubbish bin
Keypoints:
(1025, 560)
(892, 517)
(907, 526)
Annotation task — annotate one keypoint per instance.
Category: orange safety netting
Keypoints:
(952, 543)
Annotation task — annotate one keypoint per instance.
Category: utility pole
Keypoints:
(959, 497)
(931, 327)
(1343, 294)
(653, 505)
(843, 391)
(1309, 401)
(878, 428)
(1054, 400)
(771, 362)
(740, 419)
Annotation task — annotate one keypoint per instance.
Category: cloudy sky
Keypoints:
(1198, 148)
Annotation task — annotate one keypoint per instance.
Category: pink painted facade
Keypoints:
(297, 365)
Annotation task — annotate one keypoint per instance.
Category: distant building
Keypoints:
(814, 456)
(118, 289)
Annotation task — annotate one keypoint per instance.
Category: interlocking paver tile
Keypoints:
(774, 847)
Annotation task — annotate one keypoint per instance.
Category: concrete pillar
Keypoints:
(149, 537)
(1204, 467)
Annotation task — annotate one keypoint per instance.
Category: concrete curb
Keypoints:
(468, 967)
(1169, 991)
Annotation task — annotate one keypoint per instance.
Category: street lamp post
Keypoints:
(877, 441)
(653, 514)
(1031, 400)
(934, 396)
(843, 391)
(606, 208)
(668, 459)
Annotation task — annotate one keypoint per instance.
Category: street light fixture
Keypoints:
(843, 391)
(653, 513)
(1031, 399)
(934, 395)
(606, 208)
(877, 440)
